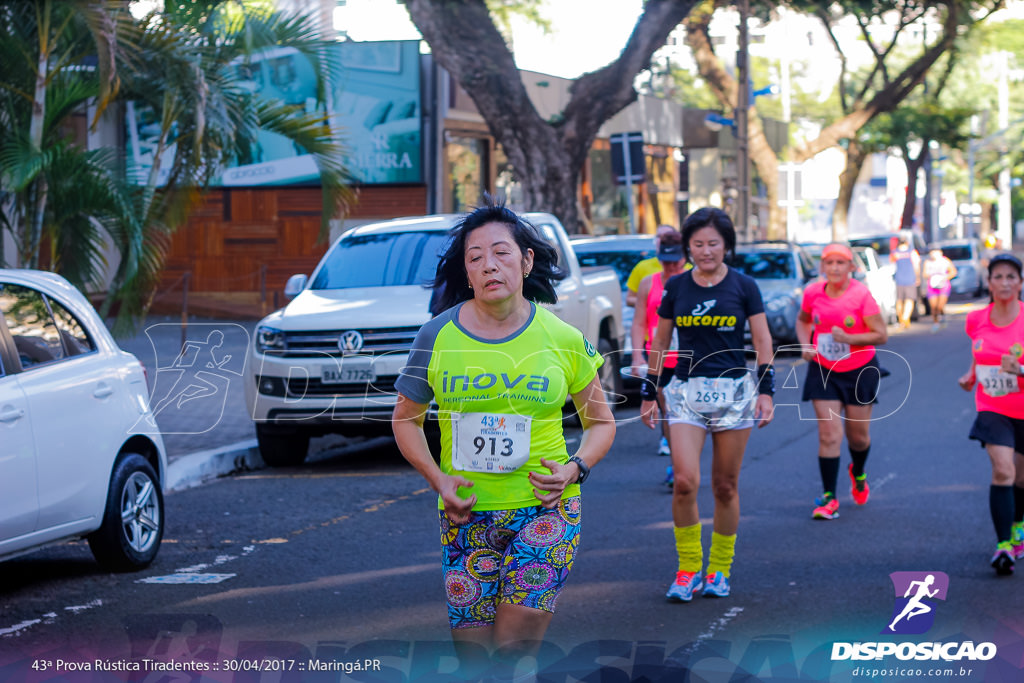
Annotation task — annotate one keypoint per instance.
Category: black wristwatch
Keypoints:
(584, 470)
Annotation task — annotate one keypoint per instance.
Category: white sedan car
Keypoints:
(80, 454)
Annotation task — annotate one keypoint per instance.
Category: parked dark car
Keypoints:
(782, 270)
(971, 273)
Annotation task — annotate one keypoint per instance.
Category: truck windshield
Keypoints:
(382, 260)
(766, 265)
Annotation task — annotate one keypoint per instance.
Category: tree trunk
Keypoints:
(766, 163)
(29, 256)
(547, 157)
(855, 157)
(910, 200)
(724, 87)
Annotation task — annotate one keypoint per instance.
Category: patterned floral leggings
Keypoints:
(521, 557)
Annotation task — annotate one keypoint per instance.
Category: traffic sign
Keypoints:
(628, 166)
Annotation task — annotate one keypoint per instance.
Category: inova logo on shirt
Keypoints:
(490, 380)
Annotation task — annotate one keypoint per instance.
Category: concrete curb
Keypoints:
(197, 468)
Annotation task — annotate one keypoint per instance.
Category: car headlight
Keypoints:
(776, 305)
(269, 339)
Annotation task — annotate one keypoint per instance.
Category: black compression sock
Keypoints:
(829, 468)
(1000, 502)
(1018, 503)
(859, 458)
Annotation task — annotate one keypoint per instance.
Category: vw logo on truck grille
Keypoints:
(350, 341)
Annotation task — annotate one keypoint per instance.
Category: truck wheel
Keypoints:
(282, 448)
(133, 519)
(611, 378)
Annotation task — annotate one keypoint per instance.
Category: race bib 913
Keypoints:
(490, 442)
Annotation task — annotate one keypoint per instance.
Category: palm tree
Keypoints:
(186, 69)
(58, 56)
(185, 64)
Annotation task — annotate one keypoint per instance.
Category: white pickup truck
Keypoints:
(327, 362)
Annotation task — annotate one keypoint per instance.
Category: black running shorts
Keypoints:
(851, 388)
(998, 430)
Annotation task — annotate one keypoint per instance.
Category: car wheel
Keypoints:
(280, 448)
(133, 521)
(611, 378)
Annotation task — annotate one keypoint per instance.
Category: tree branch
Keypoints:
(586, 112)
(822, 14)
(889, 97)
(719, 81)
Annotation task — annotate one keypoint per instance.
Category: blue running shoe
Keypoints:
(669, 477)
(717, 586)
(683, 588)
(663, 448)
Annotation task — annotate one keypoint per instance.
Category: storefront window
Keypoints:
(467, 164)
(506, 185)
(609, 209)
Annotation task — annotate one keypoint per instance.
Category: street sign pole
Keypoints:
(629, 189)
(743, 128)
(627, 150)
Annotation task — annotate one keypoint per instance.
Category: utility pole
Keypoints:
(1004, 225)
(742, 125)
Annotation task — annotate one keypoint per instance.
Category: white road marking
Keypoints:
(19, 627)
(194, 574)
(49, 616)
(715, 626)
(187, 577)
(720, 623)
(81, 608)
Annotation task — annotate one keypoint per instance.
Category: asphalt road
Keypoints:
(338, 561)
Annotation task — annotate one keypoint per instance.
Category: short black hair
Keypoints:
(709, 217)
(451, 282)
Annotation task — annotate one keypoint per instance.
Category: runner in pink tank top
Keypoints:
(645, 321)
(997, 347)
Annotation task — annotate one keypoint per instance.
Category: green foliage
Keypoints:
(182, 61)
(918, 123)
(690, 89)
(502, 12)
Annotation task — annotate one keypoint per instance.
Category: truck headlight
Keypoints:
(269, 339)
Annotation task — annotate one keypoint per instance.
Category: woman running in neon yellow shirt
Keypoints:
(499, 367)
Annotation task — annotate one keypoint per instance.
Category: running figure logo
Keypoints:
(193, 380)
(911, 614)
(701, 309)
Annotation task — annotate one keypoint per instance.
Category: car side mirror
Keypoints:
(295, 284)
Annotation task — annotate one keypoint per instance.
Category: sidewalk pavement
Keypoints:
(198, 396)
